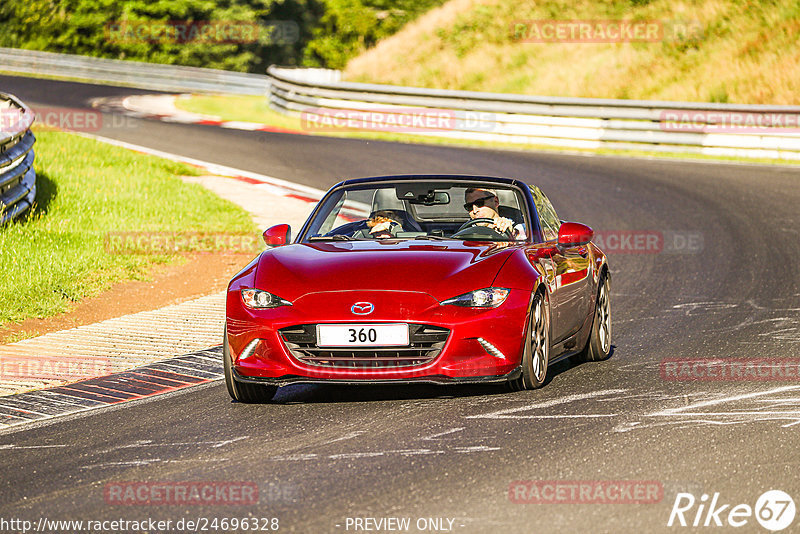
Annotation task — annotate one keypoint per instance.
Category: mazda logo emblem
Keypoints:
(362, 308)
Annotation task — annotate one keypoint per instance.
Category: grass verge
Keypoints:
(255, 109)
(56, 254)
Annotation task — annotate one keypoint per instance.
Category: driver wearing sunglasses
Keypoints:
(484, 204)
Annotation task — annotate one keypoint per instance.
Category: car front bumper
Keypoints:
(484, 345)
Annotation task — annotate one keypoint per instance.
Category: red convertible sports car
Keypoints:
(401, 279)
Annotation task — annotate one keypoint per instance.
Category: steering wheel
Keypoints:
(481, 221)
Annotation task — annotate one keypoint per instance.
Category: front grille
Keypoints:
(425, 344)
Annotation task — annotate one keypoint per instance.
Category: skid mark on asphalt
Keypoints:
(376, 454)
(691, 308)
(351, 435)
(513, 413)
(18, 447)
(146, 443)
(444, 441)
(154, 379)
(775, 321)
(445, 433)
(126, 463)
(776, 404)
(691, 409)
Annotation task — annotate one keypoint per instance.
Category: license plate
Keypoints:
(362, 335)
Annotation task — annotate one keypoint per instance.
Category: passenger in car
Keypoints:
(483, 204)
(383, 224)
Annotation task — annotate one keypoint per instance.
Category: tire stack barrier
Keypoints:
(17, 175)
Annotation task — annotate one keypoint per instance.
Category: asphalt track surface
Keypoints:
(320, 455)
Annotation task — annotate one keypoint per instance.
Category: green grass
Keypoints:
(19, 336)
(237, 108)
(55, 254)
(255, 109)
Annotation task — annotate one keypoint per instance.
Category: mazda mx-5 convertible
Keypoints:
(406, 279)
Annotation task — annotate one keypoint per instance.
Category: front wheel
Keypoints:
(243, 391)
(536, 354)
(598, 347)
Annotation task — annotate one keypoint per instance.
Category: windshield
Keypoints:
(473, 211)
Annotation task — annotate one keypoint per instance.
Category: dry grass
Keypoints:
(745, 52)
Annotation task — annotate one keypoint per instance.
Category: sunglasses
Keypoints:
(479, 202)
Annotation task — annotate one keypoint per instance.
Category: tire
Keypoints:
(243, 391)
(536, 353)
(598, 346)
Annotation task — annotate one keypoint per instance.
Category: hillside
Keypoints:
(709, 51)
(239, 35)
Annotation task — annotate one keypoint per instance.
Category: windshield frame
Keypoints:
(335, 194)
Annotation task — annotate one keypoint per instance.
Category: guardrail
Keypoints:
(17, 176)
(321, 98)
(134, 73)
(751, 131)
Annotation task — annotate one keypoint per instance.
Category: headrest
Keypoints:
(386, 199)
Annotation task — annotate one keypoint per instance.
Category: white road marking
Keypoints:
(703, 404)
(295, 457)
(143, 444)
(505, 413)
(135, 463)
(351, 435)
(476, 448)
(446, 433)
(690, 307)
(226, 442)
(12, 446)
(348, 455)
(415, 452)
(376, 454)
(693, 414)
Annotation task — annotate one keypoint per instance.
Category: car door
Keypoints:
(573, 283)
(570, 273)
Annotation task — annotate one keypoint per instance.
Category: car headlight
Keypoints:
(258, 299)
(490, 297)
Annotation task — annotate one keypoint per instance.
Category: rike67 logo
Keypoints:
(774, 510)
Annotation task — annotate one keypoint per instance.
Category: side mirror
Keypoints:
(572, 234)
(277, 235)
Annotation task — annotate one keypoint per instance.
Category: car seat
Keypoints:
(386, 199)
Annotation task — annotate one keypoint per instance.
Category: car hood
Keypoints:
(442, 269)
